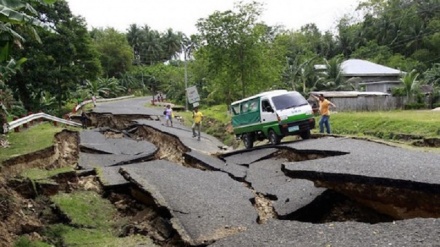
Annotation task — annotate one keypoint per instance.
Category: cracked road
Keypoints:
(319, 192)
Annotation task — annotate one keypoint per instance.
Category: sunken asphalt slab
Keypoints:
(368, 162)
(208, 144)
(214, 163)
(408, 233)
(291, 195)
(119, 151)
(265, 177)
(94, 139)
(204, 205)
(90, 161)
(246, 157)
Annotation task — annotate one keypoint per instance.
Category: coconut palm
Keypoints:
(151, 48)
(172, 43)
(134, 37)
(410, 84)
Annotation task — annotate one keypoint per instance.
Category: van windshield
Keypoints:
(289, 100)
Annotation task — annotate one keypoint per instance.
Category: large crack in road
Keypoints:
(179, 195)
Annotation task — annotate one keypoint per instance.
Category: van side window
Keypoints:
(236, 109)
(244, 107)
(254, 105)
(266, 106)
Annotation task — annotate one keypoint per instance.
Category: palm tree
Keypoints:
(410, 84)
(151, 48)
(172, 43)
(134, 37)
(333, 77)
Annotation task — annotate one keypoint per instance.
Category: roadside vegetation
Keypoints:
(29, 140)
(387, 125)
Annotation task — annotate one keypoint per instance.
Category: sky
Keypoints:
(183, 15)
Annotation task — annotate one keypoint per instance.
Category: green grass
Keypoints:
(387, 124)
(29, 140)
(39, 174)
(25, 242)
(86, 208)
(93, 222)
(70, 236)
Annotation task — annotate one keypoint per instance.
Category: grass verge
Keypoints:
(29, 140)
(387, 125)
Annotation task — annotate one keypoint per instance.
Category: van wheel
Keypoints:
(305, 135)
(248, 140)
(274, 139)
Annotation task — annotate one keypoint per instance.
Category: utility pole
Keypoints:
(186, 79)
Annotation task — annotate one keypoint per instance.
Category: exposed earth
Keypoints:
(173, 190)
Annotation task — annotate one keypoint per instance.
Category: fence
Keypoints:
(368, 103)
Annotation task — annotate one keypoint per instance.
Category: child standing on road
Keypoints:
(198, 117)
(169, 115)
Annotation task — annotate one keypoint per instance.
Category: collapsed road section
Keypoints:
(194, 194)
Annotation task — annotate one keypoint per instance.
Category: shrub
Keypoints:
(414, 106)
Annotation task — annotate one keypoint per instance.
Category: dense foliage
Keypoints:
(234, 55)
(54, 67)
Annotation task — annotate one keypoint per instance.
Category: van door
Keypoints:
(268, 114)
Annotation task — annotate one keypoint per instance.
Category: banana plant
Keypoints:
(14, 14)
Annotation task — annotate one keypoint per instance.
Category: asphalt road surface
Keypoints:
(268, 196)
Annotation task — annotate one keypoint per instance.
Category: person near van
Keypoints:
(168, 115)
(324, 110)
(197, 117)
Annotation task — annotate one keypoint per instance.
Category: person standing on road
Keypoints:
(94, 100)
(324, 110)
(197, 117)
(169, 115)
(83, 120)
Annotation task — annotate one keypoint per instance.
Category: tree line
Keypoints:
(53, 60)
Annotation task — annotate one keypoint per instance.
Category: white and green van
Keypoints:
(272, 115)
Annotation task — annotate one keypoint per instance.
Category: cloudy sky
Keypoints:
(182, 15)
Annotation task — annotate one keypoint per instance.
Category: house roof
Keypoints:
(348, 94)
(358, 67)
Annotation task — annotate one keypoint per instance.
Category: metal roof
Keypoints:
(348, 94)
(358, 67)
